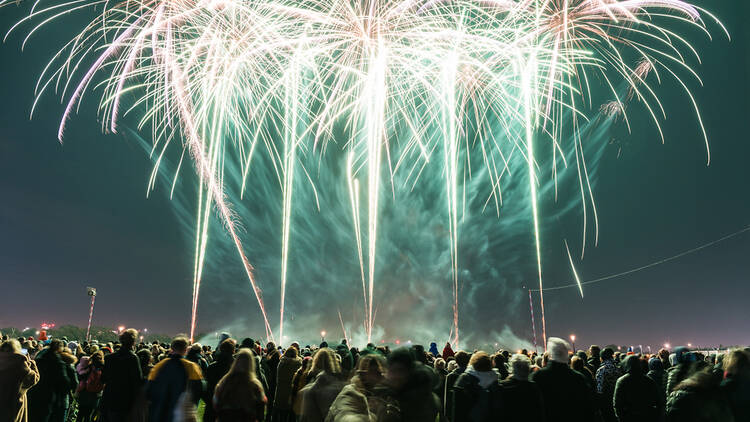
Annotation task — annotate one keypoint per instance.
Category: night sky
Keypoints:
(77, 215)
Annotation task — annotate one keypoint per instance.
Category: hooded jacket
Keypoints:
(565, 394)
(637, 397)
(17, 375)
(476, 396)
(698, 399)
(318, 396)
(57, 380)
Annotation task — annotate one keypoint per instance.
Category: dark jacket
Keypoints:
(637, 397)
(57, 380)
(318, 396)
(166, 383)
(214, 373)
(122, 379)
(737, 391)
(17, 374)
(522, 400)
(476, 397)
(698, 399)
(450, 380)
(416, 400)
(565, 394)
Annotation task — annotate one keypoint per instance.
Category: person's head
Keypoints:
(608, 353)
(576, 363)
(290, 353)
(462, 358)
(736, 363)
(451, 366)
(243, 365)
(370, 369)
(325, 361)
(180, 346)
(594, 351)
(520, 366)
(55, 346)
(632, 365)
(144, 356)
(11, 346)
(655, 364)
(226, 347)
(127, 338)
(196, 349)
(97, 359)
(400, 365)
(481, 362)
(439, 364)
(558, 350)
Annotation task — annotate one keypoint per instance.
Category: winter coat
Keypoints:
(318, 396)
(214, 373)
(637, 397)
(448, 352)
(416, 401)
(522, 400)
(476, 397)
(450, 380)
(565, 395)
(737, 391)
(347, 360)
(284, 375)
(122, 380)
(57, 380)
(698, 399)
(167, 381)
(17, 374)
(356, 404)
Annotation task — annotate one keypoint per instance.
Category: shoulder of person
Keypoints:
(192, 369)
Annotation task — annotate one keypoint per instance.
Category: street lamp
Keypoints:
(322, 336)
(120, 328)
(573, 340)
(666, 346)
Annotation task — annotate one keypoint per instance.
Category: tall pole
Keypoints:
(533, 326)
(91, 292)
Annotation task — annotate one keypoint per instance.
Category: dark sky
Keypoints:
(76, 214)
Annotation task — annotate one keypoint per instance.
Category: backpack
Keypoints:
(93, 383)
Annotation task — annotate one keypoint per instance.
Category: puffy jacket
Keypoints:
(17, 374)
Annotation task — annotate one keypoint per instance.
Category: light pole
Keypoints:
(91, 292)
(573, 340)
(322, 336)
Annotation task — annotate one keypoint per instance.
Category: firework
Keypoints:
(396, 85)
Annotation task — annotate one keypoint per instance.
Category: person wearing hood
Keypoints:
(49, 399)
(18, 373)
(659, 376)
(195, 355)
(564, 391)
(434, 350)
(698, 398)
(448, 351)
(476, 396)
(282, 400)
(90, 387)
(606, 378)
(365, 398)
(411, 385)
(637, 397)
(680, 370)
(347, 360)
(522, 399)
(318, 396)
(215, 372)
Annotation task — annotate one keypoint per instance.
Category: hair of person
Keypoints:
(462, 358)
(196, 348)
(325, 361)
(451, 366)
(240, 379)
(520, 366)
(439, 363)
(179, 345)
(736, 362)
(402, 356)
(498, 360)
(97, 358)
(228, 346)
(481, 361)
(55, 345)
(594, 350)
(144, 355)
(127, 338)
(576, 363)
(11, 346)
(607, 353)
(290, 352)
(558, 350)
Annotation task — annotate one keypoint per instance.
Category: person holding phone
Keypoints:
(18, 373)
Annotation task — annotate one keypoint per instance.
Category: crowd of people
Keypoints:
(60, 380)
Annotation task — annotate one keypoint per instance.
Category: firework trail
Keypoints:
(400, 86)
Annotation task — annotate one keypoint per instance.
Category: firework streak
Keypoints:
(397, 85)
